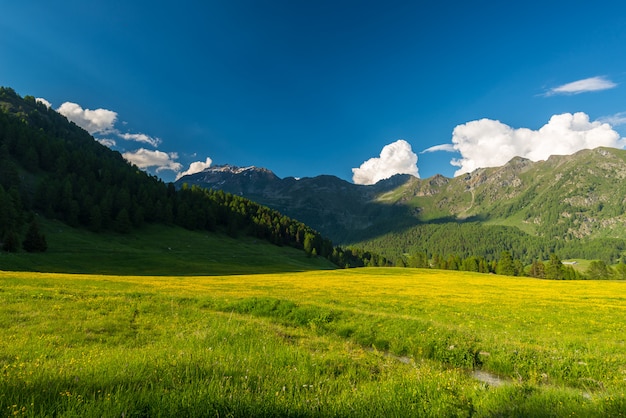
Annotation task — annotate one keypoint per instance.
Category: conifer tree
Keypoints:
(35, 241)
(598, 270)
(11, 242)
(505, 265)
(554, 269)
(122, 222)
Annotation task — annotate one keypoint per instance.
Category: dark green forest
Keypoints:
(471, 246)
(465, 239)
(50, 167)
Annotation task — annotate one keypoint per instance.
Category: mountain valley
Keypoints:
(559, 203)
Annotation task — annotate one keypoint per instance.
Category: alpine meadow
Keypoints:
(234, 293)
(357, 342)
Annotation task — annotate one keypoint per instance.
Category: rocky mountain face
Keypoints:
(339, 208)
(572, 196)
(565, 197)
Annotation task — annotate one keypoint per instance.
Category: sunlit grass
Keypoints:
(363, 342)
(157, 250)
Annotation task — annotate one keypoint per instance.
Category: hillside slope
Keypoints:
(562, 204)
(580, 195)
(341, 209)
(51, 169)
(158, 250)
(571, 196)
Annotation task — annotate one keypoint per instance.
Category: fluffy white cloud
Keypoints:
(144, 158)
(100, 121)
(196, 167)
(395, 158)
(93, 121)
(583, 86)
(44, 101)
(141, 138)
(490, 143)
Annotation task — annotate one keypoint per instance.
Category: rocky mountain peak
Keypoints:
(232, 169)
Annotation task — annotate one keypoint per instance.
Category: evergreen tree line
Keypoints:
(52, 167)
(488, 242)
(552, 269)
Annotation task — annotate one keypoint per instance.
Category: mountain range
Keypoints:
(561, 202)
(339, 208)
(572, 206)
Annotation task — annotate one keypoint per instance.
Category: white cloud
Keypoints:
(617, 119)
(107, 142)
(144, 158)
(442, 147)
(44, 101)
(93, 121)
(196, 167)
(100, 121)
(583, 86)
(141, 138)
(395, 158)
(490, 143)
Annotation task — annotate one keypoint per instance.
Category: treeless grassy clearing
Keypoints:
(360, 342)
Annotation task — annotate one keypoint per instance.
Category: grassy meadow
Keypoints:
(361, 342)
(157, 250)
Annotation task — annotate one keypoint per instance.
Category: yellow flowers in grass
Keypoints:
(327, 341)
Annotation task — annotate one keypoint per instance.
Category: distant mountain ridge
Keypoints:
(241, 180)
(564, 198)
(333, 204)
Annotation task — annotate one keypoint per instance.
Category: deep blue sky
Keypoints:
(320, 87)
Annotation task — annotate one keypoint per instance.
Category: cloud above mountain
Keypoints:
(491, 143)
(44, 101)
(93, 121)
(101, 124)
(155, 142)
(159, 160)
(395, 158)
(195, 167)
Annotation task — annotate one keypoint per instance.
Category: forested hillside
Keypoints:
(572, 206)
(340, 210)
(52, 168)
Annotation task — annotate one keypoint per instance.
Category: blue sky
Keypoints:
(357, 89)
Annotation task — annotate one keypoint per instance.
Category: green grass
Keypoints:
(578, 264)
(364, 342)
(516, 220)
(157, 250)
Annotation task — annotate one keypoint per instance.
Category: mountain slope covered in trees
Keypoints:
(571, 205)
(341, 209)
(52, 168)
